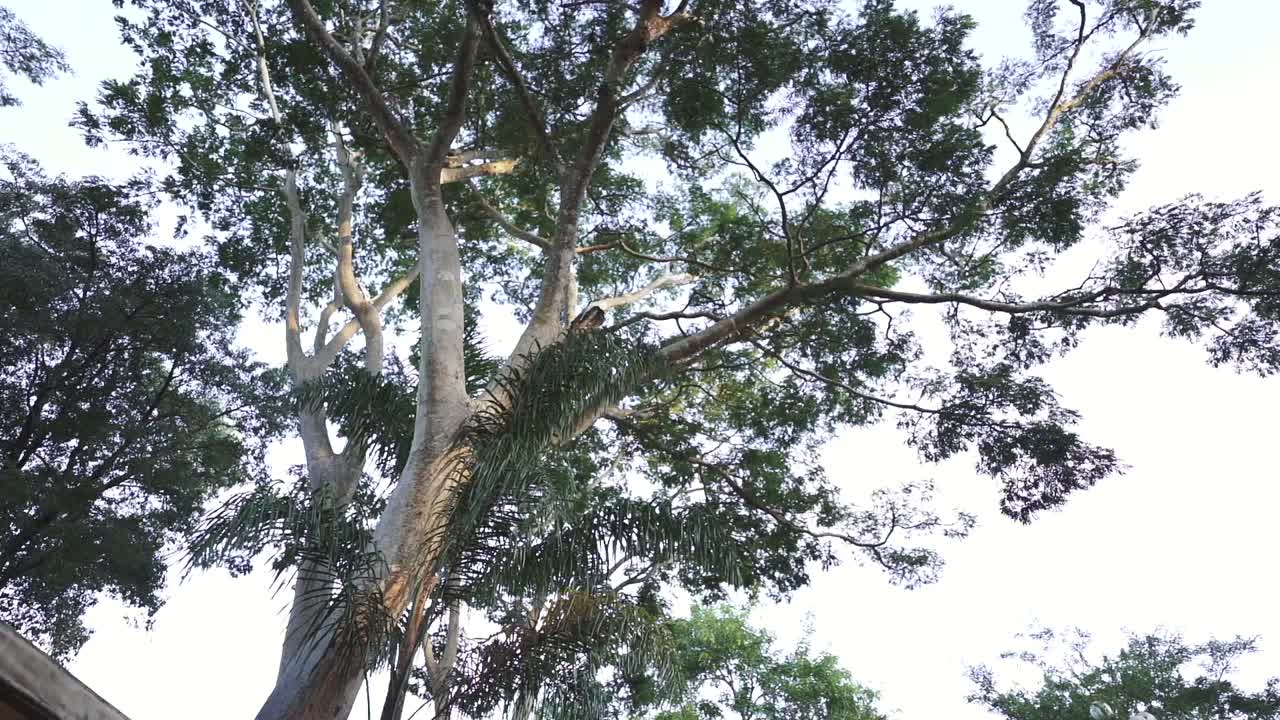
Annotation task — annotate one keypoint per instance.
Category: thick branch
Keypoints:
(293, 298)
(525, 96)
(326, 314)
(325, 355)
(398, 135)
(264, 75)
(663, 282)
(352, 295)
(509, 227)
(486, 169)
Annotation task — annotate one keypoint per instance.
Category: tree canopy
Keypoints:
(730, 669)
(123, 406)
(1158, 675)
(713, 221)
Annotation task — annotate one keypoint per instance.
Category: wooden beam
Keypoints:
(34, 687)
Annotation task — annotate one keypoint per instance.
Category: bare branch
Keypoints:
(452, 634)
(293, 299)
(458, 158)
(325, 356)
(466, 172)
(351, 294)
(1073, 306)
(264, 75)
(667, 280)
(326, 314)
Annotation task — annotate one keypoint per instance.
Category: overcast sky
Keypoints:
(1186, 540)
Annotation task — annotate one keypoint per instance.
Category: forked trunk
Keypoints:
(322, 678)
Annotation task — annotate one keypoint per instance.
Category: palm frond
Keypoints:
(555, 389)
(326, 543)
(503, 559)
(481, 366)
(374, 412)
(582, 635)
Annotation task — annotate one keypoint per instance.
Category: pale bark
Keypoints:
(324, 679)
(410, 532)
(349, 290)
(303, 655)
(466, 172)
(663, 282)
(440, 669)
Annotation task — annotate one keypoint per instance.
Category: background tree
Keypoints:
(729, 669)
(124, 406)
(1157, 675)
(686, 345)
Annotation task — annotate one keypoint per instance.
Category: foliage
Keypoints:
(741, 202)
(25, 54)
(729, 669)
(1159, 675)
(124, 406)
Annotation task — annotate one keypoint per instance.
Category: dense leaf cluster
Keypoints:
(23, 53)
(1160, 674)
(124, 405)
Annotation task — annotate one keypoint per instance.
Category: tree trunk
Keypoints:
(321, 678)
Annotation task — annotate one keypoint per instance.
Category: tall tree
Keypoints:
(1154, 677)
(123, 405)
(687, 344)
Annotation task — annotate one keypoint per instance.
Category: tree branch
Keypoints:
(532, 113)
(326, 355)
(398, 135)
(1074, 306)
(510, 228)
(293, 298)
(326, 314)
(663, 282)
(351, 294)
(486, 169)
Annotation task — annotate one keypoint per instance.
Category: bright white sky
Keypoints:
(1185, 540)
